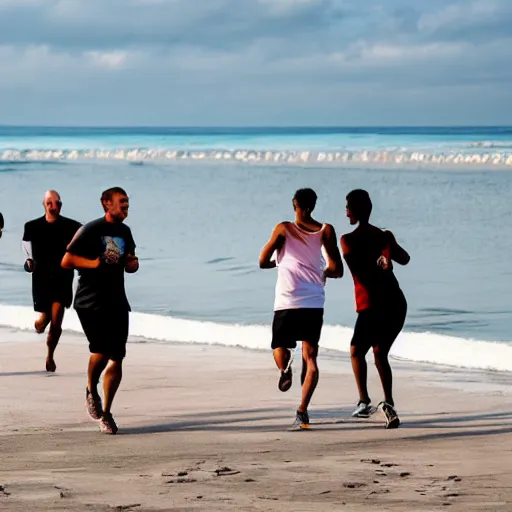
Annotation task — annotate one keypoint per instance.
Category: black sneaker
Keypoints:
(392, 419)
(285, 381)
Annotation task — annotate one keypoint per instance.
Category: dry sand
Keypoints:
(205, 428)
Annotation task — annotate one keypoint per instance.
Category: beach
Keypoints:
(204, 427)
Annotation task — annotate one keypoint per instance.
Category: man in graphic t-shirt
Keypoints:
(102, 251)
(44, 243)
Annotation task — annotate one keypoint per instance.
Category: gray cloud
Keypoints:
(255, 62)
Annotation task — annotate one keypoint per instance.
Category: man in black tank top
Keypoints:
(44, 243)
(380, 303)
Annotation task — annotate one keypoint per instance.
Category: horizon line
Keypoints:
(251, 126)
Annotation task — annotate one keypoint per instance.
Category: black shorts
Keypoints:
(292, 325)
(379, 327)
(106, 331)
(48, 289)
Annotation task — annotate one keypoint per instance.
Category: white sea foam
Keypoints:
(418, 347)
(473, 157)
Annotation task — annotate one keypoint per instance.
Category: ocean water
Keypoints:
(204, 202)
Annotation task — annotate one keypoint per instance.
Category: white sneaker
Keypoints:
(363, 410)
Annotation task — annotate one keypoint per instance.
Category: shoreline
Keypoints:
(186, 412)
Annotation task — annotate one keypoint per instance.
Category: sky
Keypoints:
(255, 62)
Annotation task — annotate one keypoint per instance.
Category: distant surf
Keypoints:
(486, 159)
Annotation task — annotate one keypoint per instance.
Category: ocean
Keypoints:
(204, 201)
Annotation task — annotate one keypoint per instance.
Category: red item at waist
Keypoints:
(361, 293)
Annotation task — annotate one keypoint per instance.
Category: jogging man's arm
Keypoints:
(334, 268)
(73, 257)
(132, 262)
(398, 253)
(26, 246)
(276, 241)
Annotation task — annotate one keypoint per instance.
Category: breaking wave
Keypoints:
(476, 156)
(423, 347)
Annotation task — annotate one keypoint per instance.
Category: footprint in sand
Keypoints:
(127, 507)
(225, 471)
(3, 491)
(353, 485)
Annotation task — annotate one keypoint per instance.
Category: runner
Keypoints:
(44, 243)
(300, 294)
(380, 303)
(102, 251)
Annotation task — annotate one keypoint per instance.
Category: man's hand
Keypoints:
(383, 262)
(29, 266)
(132, 264)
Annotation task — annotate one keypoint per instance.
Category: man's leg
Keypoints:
(309, 355)
(52, 340)
(360, 369)
(282, 342)
(111, 381)
(282, 357)
(42, 322)
(381, 354)
(117, 336)
(97, 363)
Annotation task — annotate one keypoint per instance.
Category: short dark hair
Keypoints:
(107, 195)
(306, 198)
(359, 203)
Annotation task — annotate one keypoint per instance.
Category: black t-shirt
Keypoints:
(103, 287)
(49, 241)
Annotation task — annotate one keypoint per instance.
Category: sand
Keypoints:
(205, 428)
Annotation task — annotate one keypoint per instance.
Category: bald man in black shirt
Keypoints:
(44, 242)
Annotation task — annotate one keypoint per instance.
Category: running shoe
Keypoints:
(392, 419)
(363, 410)
(93, 406)
(107, 424)
(285, 381)
(302, 420)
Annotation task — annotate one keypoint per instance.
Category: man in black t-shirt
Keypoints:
(44, 243)
(102, 251)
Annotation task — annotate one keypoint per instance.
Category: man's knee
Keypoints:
(309, 354)
(358, 352)
(380, 353)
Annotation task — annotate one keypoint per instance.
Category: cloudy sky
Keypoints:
(255, 62)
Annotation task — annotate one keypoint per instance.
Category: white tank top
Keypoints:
(300, 265)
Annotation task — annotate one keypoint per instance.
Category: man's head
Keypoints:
(52, 204)
(115, 203)
(304, 200)
(359, 206)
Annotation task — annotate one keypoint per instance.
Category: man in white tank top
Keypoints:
(300, 294)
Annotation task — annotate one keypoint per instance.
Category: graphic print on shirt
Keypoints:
(113, 249)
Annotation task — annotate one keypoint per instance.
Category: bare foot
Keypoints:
(50, 365)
